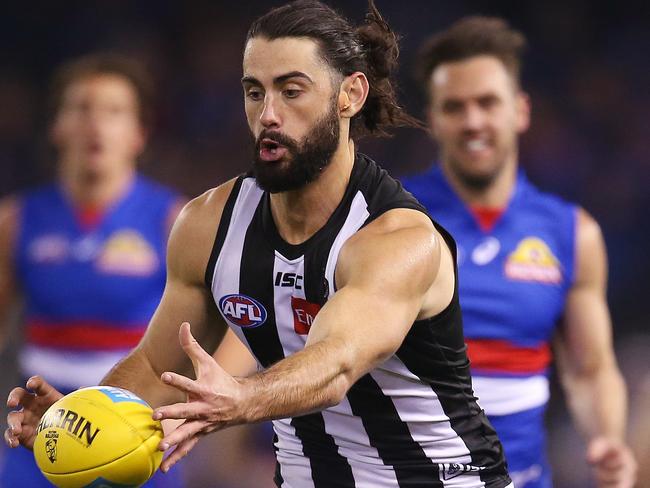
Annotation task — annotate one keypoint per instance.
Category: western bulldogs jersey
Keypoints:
(89, 291)
(514, 279)
(411, 422)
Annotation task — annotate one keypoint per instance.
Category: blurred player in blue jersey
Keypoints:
(533, 268)
(87, 253)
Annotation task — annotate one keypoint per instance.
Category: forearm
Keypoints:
(135, 373)
(598, 402)
(310, 380)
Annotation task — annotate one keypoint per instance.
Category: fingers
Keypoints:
(182, 433)
(179, 453)
(17, 397)
(180, 382)
(15, 422)
(192, 348)
(598, 449)
(10, 439)
(14, 428)
(614, 464)
(181, 411)
(42, 388)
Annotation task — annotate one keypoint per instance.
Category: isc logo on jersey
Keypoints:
(242, 311)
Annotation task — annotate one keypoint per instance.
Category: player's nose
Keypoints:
(270, 116)
(474, 118)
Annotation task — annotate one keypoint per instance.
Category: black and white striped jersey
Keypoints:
(413, 421)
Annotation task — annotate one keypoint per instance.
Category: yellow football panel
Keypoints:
(123, 426)
(132, 469)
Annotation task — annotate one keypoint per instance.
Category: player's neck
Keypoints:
(96, 191)
(300, 214)
(496, 195)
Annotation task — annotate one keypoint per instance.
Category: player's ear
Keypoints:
(353, 94)
(523, 107)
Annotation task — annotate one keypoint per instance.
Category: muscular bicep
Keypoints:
(584, 341)
(186, 297)
(386, 281)
(181, 302)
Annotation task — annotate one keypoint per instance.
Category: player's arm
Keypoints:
(389, 275)
(233, 356)
(385, 276)
(173, 213)
(587, 366)
(186, 298)
(9, 210)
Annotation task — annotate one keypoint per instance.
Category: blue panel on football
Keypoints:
(118, 395)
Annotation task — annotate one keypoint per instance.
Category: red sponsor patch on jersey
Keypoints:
(304, 313)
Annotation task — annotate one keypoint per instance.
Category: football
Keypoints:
(98, 436)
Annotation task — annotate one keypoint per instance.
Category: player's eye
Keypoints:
(488, 102)
(292, 93)
(452, 107)
(254, 95)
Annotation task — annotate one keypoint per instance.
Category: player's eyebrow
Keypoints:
(278, 79)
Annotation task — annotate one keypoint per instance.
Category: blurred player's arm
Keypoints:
(234, 357)
(389, 275)
(587, 367)
(186, 298)
(9, 209)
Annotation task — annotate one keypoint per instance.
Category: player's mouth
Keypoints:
(476, 146)
(95, 148)
(271, 150)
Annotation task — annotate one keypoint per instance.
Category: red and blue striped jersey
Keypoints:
(89, 290)
(514, 279)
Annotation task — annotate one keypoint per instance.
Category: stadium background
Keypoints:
(589, 140)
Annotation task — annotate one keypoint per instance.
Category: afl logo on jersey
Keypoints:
(242, 311)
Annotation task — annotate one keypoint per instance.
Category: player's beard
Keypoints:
(473, 180)
(304, 161)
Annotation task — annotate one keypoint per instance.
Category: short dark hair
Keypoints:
(99, 64)
(469, 37)
(371, 48)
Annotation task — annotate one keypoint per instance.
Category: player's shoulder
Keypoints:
(205, 209)
(402, 244)
(588, 229)
(396, 231)
(193, 233)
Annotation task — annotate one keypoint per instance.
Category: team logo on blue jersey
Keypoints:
(533, 261)
(242, 311)
(127, 252)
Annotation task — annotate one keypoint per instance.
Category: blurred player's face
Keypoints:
(292, 112)
(476, 115)
(97, 129)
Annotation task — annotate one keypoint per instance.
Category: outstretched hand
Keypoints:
(614, 464)
(31, 403)
(213, 401)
